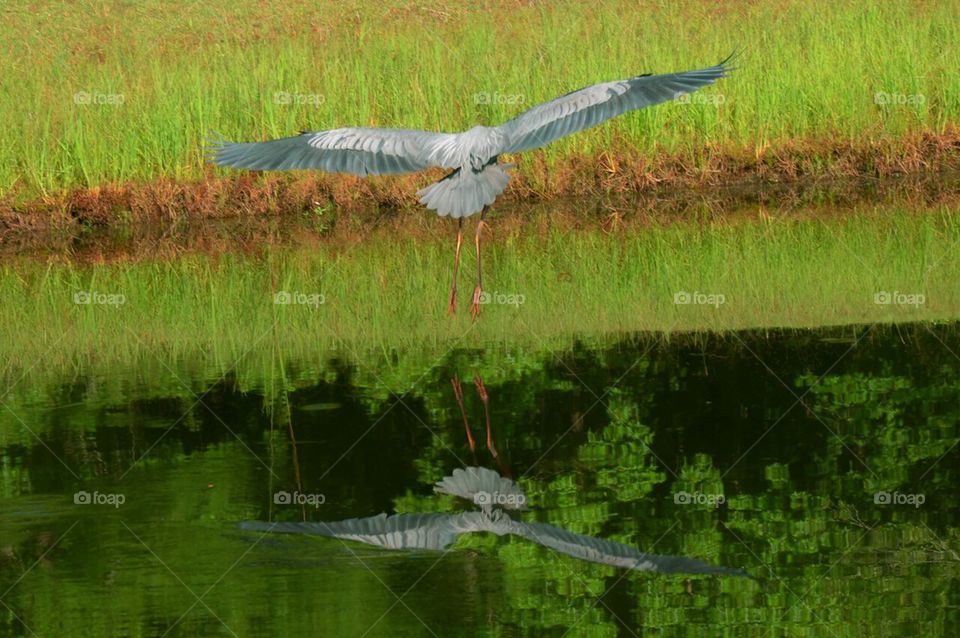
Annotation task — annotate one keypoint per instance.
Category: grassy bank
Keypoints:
(879, 266)
(291, 222)
(126, 93)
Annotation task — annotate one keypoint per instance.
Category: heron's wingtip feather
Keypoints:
(212, 143)
(728, 62)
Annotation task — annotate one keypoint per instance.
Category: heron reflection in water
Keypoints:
(498, 500)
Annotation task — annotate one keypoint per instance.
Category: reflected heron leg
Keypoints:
(475, 306)
(458, 393)
(482, 391)
(452, 306)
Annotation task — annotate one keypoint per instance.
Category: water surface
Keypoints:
(824, 463)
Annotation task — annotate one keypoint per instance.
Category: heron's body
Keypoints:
(476, 178)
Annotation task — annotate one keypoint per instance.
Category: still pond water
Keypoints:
(824, 463)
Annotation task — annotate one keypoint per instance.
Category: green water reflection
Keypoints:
(773, 452)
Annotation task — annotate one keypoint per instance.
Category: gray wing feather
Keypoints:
(399, 531)
(484, 488)
(597, 550)
(434, 531)
(592, 105)
(359, 151)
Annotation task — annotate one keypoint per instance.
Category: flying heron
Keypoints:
(495, 496)
(476, 177)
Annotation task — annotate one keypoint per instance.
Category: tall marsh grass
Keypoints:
(881, 266)
(111, 92)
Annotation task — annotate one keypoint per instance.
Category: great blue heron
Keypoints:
(494, 495)
(476, 178)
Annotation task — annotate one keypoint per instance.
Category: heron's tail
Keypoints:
(465, 192)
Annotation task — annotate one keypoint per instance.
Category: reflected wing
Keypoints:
(610, 553)
(592, 105)
(359, 151)
(483, 487)
(399, 531)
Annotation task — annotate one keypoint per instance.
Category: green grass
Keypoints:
(809, 72)
(383, 295)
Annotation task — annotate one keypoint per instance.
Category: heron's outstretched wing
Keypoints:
(399, 531)
(359, 151)
(437, 531)
(592, 105)
(597, 550)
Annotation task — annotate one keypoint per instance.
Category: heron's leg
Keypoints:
(458, 393)
(475, 306)
(482, 391)
(452, 307)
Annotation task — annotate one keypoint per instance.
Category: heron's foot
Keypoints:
(481, 389)
(452, 306)
(475, 306)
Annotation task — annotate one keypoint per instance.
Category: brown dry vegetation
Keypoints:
(174, 233)
(250, 195)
